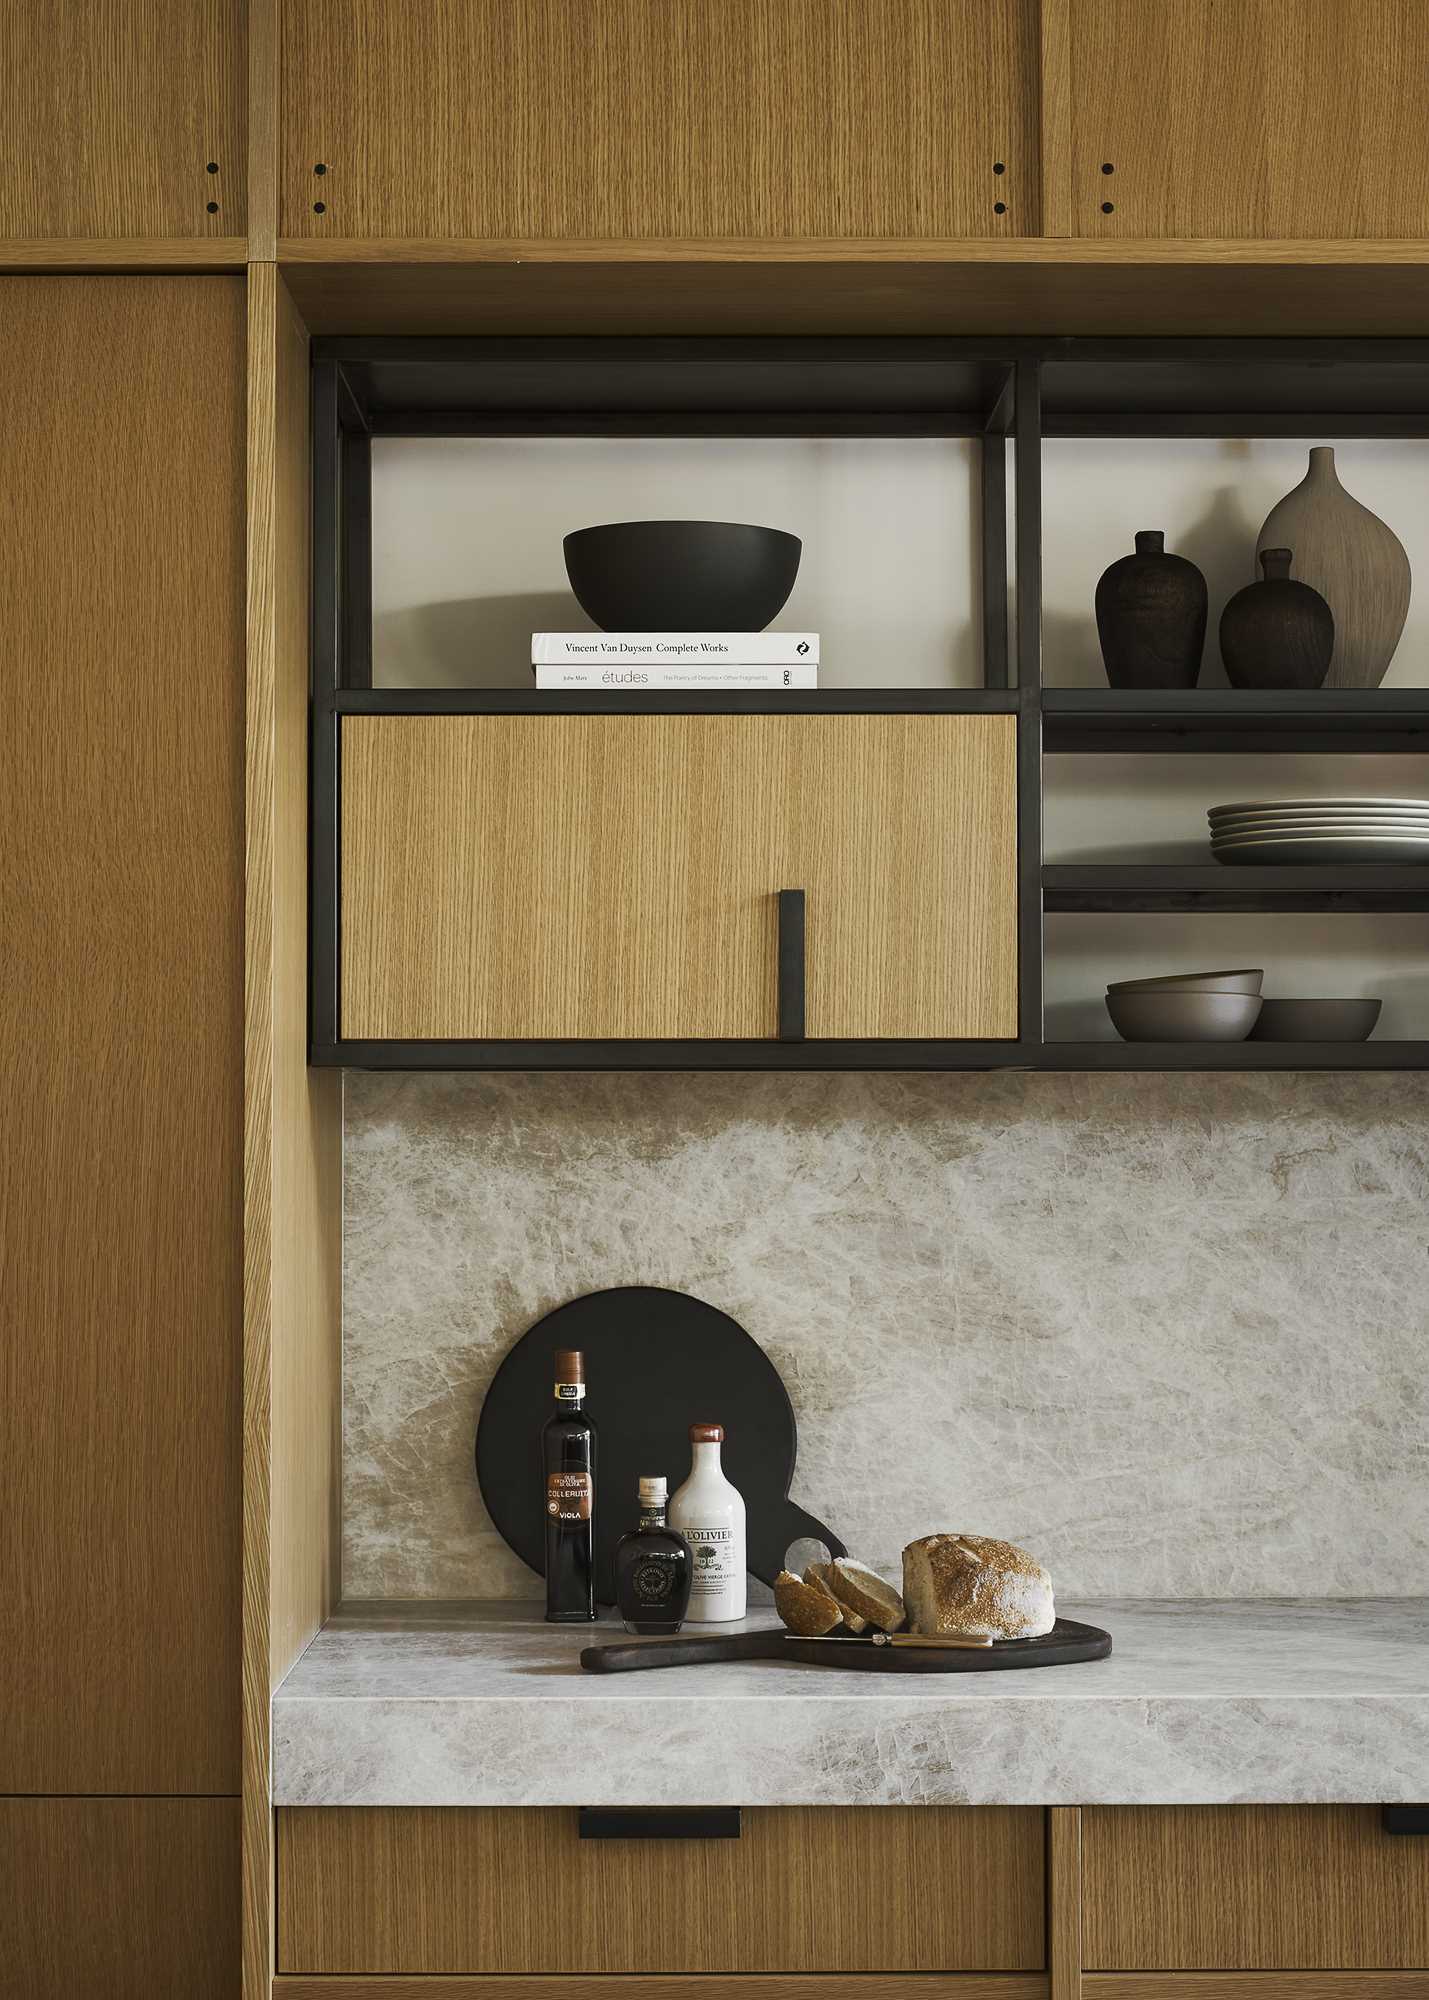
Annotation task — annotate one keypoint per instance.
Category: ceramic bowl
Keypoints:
(1183, 1016)
(681, 576)
(1316, 1021)
(1246, 979)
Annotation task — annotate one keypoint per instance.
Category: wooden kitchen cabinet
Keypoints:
(1261, 118)
(118, 1899)
(112, 112)
(509, 1889)
(1243, 1888)
(616, 877)
(639, 118)
(121, 1032)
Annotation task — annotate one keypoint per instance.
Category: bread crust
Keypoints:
(976, 1584)
(806, 1608)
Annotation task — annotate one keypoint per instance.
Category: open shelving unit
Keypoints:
(1007, 396)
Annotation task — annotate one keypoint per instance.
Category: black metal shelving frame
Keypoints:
(1005, 395)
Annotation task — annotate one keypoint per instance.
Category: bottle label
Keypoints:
(570, 1496)
(653, 1580)
(569, 1392)
(712, 1553)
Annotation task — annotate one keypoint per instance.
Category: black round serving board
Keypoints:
(1067, 1643)
(656, 1362)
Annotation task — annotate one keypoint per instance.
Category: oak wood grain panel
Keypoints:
(1249, 1986)
(1270, 118)
(635, 118)
(127, 1899)
(1239, 1887)
(112, 111)
(1058, 286)
(265, 92)
(616, 876)
(1055, 116)
(129, 253)
(121, 871)
(676, 1986)
(1064, 1902)
(292, 1136)
(514, 1889)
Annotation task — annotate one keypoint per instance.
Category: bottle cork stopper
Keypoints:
(652, 1488)
(570, 1365)
(706, 1433)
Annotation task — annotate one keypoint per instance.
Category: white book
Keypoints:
(631, 676)
(751, 649)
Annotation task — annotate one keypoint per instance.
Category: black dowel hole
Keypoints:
(998, 167)
(321, 167)
(319, 208)
(212, 167)
(1107, 167)
(213, 208)
(999, 208)
(1108, 208)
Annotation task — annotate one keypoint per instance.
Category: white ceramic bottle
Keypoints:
(709, 1513)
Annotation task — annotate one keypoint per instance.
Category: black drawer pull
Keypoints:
(1405, 1819)
(791, 965)
(659, 1822)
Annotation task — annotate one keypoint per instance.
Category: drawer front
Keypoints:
(1238, 1888)
(1213, 1986)
(816, 1889)
(712, 1986)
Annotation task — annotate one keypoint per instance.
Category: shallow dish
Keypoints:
(1316, 1021)
(1184, 1016)
(1245, 979)
(1323, 849)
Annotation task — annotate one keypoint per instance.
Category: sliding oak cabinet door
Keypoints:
(659, 118)
(616, 877)
(121, 884)
(1257, 118)
(112, 113)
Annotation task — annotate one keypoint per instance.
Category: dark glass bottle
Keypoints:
(568, 1463)
(652, 1568)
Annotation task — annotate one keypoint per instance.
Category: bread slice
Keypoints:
(976, 1584)
(807, 1609)
(864, 1594)
(822, 1576)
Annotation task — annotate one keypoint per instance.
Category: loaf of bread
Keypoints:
(864, 1595)
(806, 1608)
(974, 1584)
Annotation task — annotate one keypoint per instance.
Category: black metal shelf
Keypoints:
(1235, 720)
(1008, 395)
(1079, 887)
(1233, 1055)
(674, 701)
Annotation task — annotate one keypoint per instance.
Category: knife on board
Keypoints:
(768, 1643)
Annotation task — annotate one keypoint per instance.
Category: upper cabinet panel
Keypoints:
(112, 112)
(1250, 118)
(659, 118)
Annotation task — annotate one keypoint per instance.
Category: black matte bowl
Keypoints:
(681, 576)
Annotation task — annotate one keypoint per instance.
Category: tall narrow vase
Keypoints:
(1357, 564)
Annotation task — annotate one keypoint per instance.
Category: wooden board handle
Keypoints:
(639, 1654)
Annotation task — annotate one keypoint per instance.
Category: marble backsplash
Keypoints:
(1169, 1332)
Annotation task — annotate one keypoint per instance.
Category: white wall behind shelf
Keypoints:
(466, 540)
(1210, 495)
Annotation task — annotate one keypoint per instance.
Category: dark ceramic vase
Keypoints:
(1277, 632)
(1151, 617)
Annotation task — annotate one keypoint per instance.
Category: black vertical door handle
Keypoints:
(791, 965)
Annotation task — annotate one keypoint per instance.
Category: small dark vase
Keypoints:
(1151, 617)
(1277, 632)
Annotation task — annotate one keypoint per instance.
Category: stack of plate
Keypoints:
(1261, 831)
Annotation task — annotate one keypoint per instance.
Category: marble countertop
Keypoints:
(1201, 1703)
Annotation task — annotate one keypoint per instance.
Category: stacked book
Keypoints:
(702, 662)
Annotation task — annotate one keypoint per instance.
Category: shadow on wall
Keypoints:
(469, 642)
(1220, 542)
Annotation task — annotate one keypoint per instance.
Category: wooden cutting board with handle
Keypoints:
(1067, 1643)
